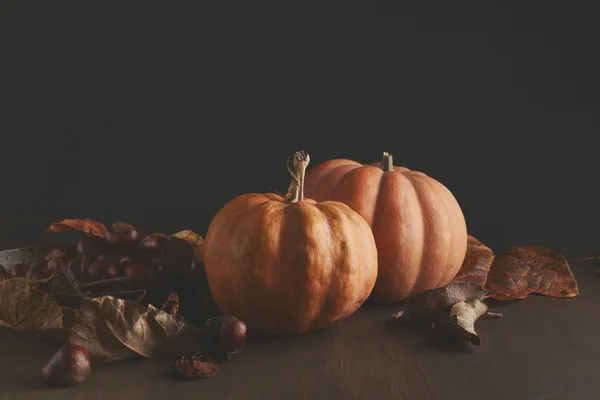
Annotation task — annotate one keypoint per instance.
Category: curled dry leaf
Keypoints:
(461, 320)
(119, 329)
(198, 367)
(432, 304)
(171, 306)
(30, 311)
(195, 240)
(477, 263)
(519, 271)
(452, 309)
(84, 225)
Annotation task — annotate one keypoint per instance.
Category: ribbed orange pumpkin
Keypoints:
(419, 227)
(289, 265)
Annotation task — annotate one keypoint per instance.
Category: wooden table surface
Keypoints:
(543, 348)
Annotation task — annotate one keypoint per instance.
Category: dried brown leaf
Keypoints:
(432, 304)
(477, 263)
(519, 271)
(195, 240)
(84, 225)
(120, 329)
(198, 367)
(171, 306)
(461, 320)
(29, 311)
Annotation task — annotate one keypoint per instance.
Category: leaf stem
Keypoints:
(494, 314)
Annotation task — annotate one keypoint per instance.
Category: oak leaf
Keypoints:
(118, 329)
(83, 225)
(31, 311)
(518, 271)
(195, 240)
(477, 263)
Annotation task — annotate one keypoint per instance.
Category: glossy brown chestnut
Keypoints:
(91, 247)
(18, 270)
(232, 334)
(102, 269)
(177, 255)
(142, 275)
(121, 234)
(63, 251)
(69, 366)
(149, 258)
(118, 257)
(34, 267)
(152, 243)
(39, 275)
(60, 285)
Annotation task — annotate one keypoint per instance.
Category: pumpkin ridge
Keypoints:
(441, 275)
(376, 202)
(337, 219)
(421, 280)
(298, 223)
(401, 197)
(263, 274)
(324, 300)
(455, 215)
(424, 231)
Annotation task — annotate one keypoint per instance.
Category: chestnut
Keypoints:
(69, 366)
(232, 334)
(177, 255)
(196, 270)
(117, 257)
(39, 275)
(223, 336)
(142, 275)
(34, 267)
(3, 273)
(91, 247)
(65, 251)
(121, 234)
(149, 258)
(54, 264)
(152, 243)
(19, 270)
(60, 285)
(39, 264)
(102, 269)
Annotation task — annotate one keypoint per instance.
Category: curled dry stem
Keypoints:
(299, 162)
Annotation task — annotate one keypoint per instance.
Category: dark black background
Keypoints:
(158, 115)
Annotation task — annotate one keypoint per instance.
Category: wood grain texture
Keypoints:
(543, 348)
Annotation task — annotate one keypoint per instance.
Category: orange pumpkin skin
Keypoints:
(418, 225)
(288, 268)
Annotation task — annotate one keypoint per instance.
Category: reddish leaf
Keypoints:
(84, 225)
(519, 271)
(477, 263)
(195, 368)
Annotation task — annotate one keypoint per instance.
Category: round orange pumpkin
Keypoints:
(419, 227)
(288, 265)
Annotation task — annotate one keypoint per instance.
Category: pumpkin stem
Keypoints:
(387, 162)
(299, 163)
